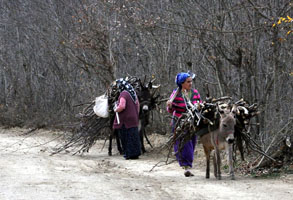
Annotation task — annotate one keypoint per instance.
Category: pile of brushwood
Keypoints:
(92, 127)
(204, 117)
(280, 151)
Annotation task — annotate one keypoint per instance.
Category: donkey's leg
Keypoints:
(216, 155)
(229, 150)
(217, 163)
(147, 139)
(239, 144)
(118, 142)
(207, 154)
(141, 134)
(110, 144)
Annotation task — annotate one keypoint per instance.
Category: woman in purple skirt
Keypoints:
(177, 107)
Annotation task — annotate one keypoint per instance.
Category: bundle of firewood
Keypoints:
(92, 127)
(204, 117)
(88, 131)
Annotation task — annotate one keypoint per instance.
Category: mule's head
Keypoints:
(147, 100)
(227, 123)
(146, 96)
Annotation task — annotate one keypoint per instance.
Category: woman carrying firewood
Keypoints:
(177, 105)
(126, 120)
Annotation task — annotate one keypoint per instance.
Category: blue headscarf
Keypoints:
(180, 78)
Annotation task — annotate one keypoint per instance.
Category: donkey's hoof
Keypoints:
(207, 176)
(219, 177)
(109, 153)
(232, 177)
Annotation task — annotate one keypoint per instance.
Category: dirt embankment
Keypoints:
(29, 172)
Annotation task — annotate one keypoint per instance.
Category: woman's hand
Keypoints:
(169, 104)
(115, 106)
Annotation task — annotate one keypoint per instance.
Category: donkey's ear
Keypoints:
(234, 110)
(140, 83)
(150, 85)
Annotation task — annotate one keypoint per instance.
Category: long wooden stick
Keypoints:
(175, 94)
(117, 116)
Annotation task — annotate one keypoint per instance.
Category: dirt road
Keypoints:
(29, 172)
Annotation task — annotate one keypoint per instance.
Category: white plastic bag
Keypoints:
(101, 107)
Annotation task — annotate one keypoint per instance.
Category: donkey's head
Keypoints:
(147, 99)
(227, 122)
(146, 96)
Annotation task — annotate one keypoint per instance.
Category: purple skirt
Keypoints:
(185, 154)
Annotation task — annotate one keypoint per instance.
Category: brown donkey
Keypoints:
(219, 139)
